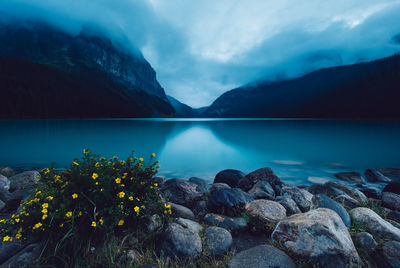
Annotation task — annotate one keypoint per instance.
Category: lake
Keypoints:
(299, 151)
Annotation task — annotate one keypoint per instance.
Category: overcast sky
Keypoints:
(201, 48)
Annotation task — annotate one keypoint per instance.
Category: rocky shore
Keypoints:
(257, 220)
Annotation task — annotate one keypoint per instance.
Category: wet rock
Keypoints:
(180, 242)
(218, 240)
(228, 201)
(391, 253)
(229, 176)
(391, 200)
(394, 223)
(375, 224)
(189, 224)
(154, 223)
(393, 187)
(302, 197)
(366, 241)
(318, 236)
(219, 186)
(261, 190)
(325, 189)
(181, 211)
(233, 224)
(24, 258)
(200, 208)
(269, 212)
(373, 175)
(289, 204)
(263, 256)
(352, 192)
(391, 173)
(347, 201)
(262, 174)
(181, 192)
(370, 193)
(24, 183)
(7, 171)
(349, 176)
(203, 185)
(322, 201)
(7, 250)
(394, 215)
(4, 183)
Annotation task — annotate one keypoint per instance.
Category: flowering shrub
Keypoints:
(94, 196)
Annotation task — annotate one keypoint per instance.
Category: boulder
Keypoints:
(261, 190)
(391, 200)
(262, 174)
(318, 236)
(228, 201)
(189, 224)
(366, 241)
(370, 193)
(394, 215)
(391, 173)
(181, 192)
(4, 183)
(200, 208)
(352, 192)
(233, 224)
(303, 198)
(9, 249)
(7, 171)
(203, 185)
(375, 224)
(25, 257)
(391, 253)
(24, 183)
(181, 211)
(269, 212)
(219, 186)
(394, 223)
(322, 201)
(289, 204)
(347, 201)
(229, 176)
(263, 256)
(218, 240)
(393, 187)
(154, 223)
(178, 241)
(373, 175)
(325, 189)
(349, 176)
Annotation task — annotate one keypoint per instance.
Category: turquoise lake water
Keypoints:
(299, 151)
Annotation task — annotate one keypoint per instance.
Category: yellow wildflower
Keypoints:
(93, 224)
(131, 198)
(156, 184)
(74, 196)
(45, 205)
(85, 151)
(121, 194)
(136, 209)
(121, 222)
(38, 193)
(44, 211)
(101, 189)
(44, 216)
(7, 238)
(102, 159)
(95, 176)
(101, 221)
(118, 180)
(61, 225)
(49, 197)
(97, 183)
(37, 225)
(97, 164)
(68, 214)
(75, 163)
(153, 155)
(80, 213)
(17, 220)
(141, 159)
(18, 236)
(158, 166)
(46, 171)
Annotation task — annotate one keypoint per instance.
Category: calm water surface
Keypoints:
(299, 151)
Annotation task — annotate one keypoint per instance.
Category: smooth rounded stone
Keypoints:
(228, 201)
(352, 192)
(9, 249)
(233, 224)
(347, 201)
(394, 223)
(229, 176)
(181, 242)
(261, 190)
(130, 257)
(262, 174)
(23, 183)
(218, 240)
(349, 176)
(391, 200)
(391, 253)
(203, 185)
(303, 198)
(318, 180)
(267, 211)
(7, 171)
(154, 223)
(373, 175)
(322, 201)
(263, 256)
(325, 189)
(289, 204)
(393, 187)
(371, 193)
(391, 173)
(219, 186)
(4, 183)
(181, 192)
(181, 211)
(394, 215)
(375, 224)
(25, 257)
(319, 236)
(200, 208)
(366, 241)
(189, 224)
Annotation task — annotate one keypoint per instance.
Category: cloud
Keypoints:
(200, 49)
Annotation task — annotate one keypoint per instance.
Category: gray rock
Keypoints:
(229, 176)
(262, 174)
(349, 176)
(24, 258)
(391, 173)
(393, 187)
(130, 257)
(203, 185)
(233, 224)
(7, 171)
(24, 183)
(352, 192)
(181, 211)
(394, 223)
(7, 250)
(302, 197)
(181, 192)
(391, 253)
(261, 190)
(288, 203)
(154, 223)
(371, 193)
(4, 183)
(219, 186)
(375, 224)
(218, 240)
(200, 208)
(347, 201)
(373, 175)
(189, 224)
(228, 201)
(322, 201)
(366, 241)
(181, 242)
(394, 215)
(269, 212)
(325, 189)
(391, 200)
(319, 236)
(263, 256)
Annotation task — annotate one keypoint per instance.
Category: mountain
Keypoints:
(49, 73)
(363, 90)
(182, 110)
